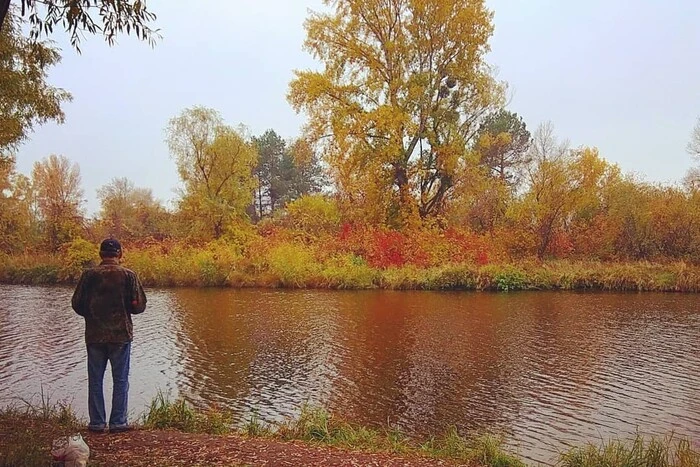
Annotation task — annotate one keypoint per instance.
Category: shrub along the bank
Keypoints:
(286, 262)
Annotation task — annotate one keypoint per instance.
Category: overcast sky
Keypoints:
(622, 75)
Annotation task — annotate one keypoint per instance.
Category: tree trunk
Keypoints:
(218, 228)
(433, 205)
(545, 231)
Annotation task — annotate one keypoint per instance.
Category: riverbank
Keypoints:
(166, 448)
(294, 267)
(173, 434)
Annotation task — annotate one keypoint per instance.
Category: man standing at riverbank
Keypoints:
(106, 296)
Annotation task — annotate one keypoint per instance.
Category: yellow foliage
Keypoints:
(313, 214)
(215, 164)
(399, 96)
(79, 254)
(294, 265)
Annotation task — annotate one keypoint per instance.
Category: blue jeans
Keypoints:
(119, 356)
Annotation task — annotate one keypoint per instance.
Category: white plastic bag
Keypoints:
(72, 450)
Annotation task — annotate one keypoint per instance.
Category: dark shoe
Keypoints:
(119, 428)
(95, 429)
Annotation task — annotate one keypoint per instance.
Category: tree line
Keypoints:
(407, 129)
(532, 194)
(227, 178)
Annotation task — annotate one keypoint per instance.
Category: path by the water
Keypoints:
(172, 448)
(25, 436)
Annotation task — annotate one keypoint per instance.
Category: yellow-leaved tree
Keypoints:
(57, 186)
(17, 222)
(403, 89)
(129, 212)
(215, 163)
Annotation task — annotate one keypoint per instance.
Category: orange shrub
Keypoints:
(384, 248)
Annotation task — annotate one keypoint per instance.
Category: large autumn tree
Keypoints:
(215, 164)
(402, 92)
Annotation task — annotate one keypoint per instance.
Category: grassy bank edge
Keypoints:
(203, 270)
(316, 426)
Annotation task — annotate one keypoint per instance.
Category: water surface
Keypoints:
(548, 370)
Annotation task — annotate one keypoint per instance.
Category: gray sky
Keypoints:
(621, 75)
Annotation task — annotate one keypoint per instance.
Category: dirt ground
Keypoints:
(28, 442)
(172, 448)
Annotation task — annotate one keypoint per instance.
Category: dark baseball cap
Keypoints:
(110, 245)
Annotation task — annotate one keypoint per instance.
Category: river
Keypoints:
(547, 370)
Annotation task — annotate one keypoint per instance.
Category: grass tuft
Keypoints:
(59, 412)
(255, 428)
(486, 450)
(179, 415)
(652, 452)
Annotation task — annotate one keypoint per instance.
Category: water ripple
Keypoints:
(548, 370)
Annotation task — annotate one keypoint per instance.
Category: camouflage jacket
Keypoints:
(107, 296)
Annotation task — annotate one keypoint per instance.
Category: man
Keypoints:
(107, 296)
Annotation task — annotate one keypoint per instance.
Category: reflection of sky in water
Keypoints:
(546, 369)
